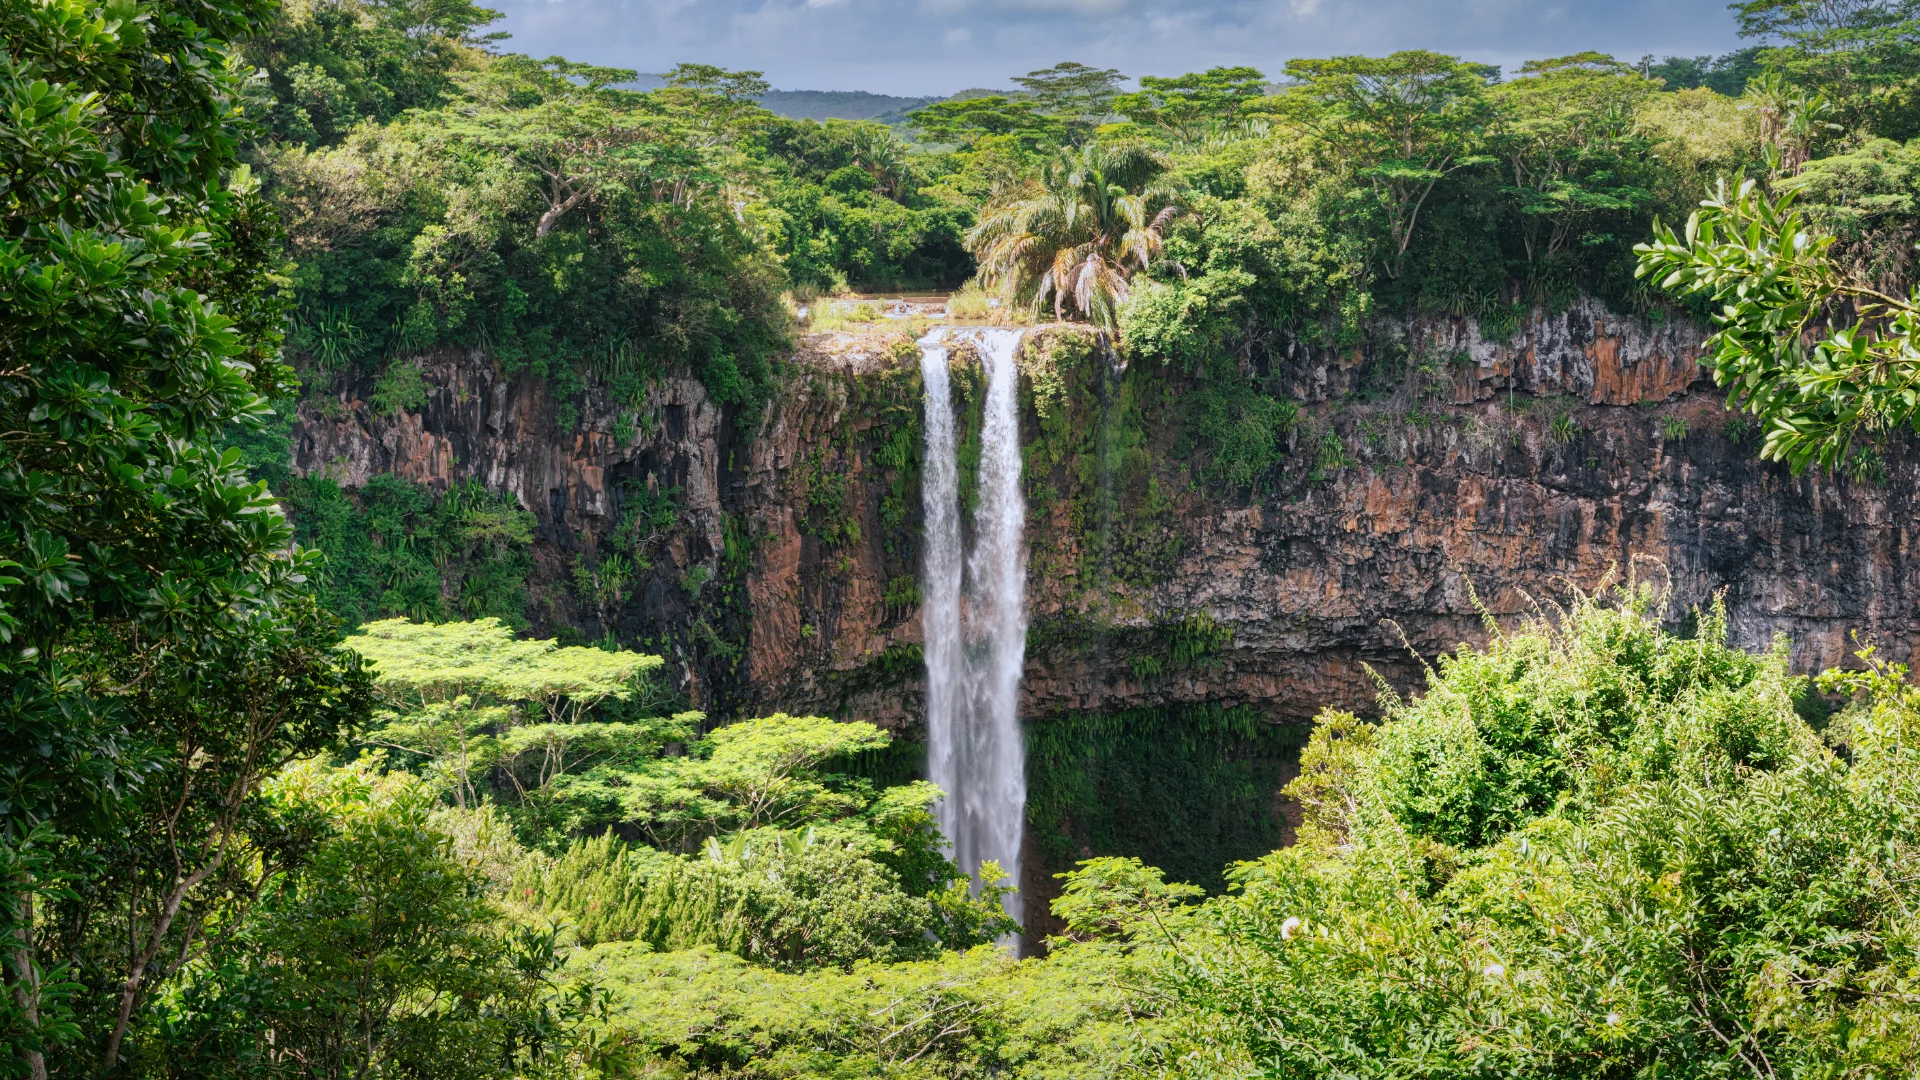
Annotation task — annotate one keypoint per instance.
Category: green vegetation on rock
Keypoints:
(235, 842)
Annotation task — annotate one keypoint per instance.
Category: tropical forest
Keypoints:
(1386, 563)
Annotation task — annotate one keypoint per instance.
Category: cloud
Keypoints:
(1071, 7)
(938, 46)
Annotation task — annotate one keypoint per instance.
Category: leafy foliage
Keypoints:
(1099, 220)
(1821, 357)
(385, 955)
(475, 224)
(163, 657)
(1862, 55)
(395, 548)
(793, 900)
(707, 1014)
(470, 699)
(331, 66)
(1196, 109)
(1592, 846)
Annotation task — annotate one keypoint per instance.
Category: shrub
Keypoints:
(1592, 848)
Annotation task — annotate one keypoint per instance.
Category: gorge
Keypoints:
(1519, 467)
(517, 569)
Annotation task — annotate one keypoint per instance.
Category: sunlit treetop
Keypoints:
(967, 122)
(430, 662)
(1191, 108)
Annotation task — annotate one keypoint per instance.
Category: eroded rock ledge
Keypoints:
(1580, 442)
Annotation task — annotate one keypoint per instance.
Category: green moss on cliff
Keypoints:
(395, 547)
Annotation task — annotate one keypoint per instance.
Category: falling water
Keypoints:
(975, 637)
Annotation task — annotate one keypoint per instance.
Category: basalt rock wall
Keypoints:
(1497, 474)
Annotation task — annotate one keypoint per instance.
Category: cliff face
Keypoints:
(1507, 469)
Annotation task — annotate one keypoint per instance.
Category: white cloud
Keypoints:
(959, 35)
(1304, 7)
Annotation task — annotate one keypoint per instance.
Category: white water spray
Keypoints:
(976, 635)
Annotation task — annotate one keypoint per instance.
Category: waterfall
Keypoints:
(975, 614)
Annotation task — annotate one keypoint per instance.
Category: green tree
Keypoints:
(384, 954)
(1861, 55)
(1078, 95)
(753, 774)
(968, 121)
(1726, 74)
(545, 215)
(1195, 109)
(1400, 124)
(1098, 217)
(572, 126)
(783, 860)
(1568, 139)
(471, 697)
(1869, 200)
(1591, 848)
(793, 900)
(153, 598)
(1792, 122)
(1821, 357)
(332, 65)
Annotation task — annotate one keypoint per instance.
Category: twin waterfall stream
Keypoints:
(975, 613)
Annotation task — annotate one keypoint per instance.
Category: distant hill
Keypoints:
(842, 105)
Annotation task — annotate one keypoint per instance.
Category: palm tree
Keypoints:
(1096, 219)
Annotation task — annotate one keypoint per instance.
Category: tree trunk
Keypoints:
(558, 211)
(26, 983)
(130, 992)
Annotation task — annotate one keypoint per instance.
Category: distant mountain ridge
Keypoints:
(842, 105)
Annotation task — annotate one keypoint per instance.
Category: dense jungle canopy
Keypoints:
(287, 790)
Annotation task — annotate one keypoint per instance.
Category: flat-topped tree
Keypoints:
(461, 692)
(755, 774)
(1400, 124)
(966, 123)
(439, 662)
(1192, 109)
(1078, 95)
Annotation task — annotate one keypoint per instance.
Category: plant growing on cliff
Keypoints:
(401, 388)
(1820, 357)
(393, 547)
(1097, 219)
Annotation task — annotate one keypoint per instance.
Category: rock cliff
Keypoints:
(1508, 469)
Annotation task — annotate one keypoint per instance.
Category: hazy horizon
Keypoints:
(938, 47)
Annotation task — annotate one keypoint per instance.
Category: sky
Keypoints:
(930, 47)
